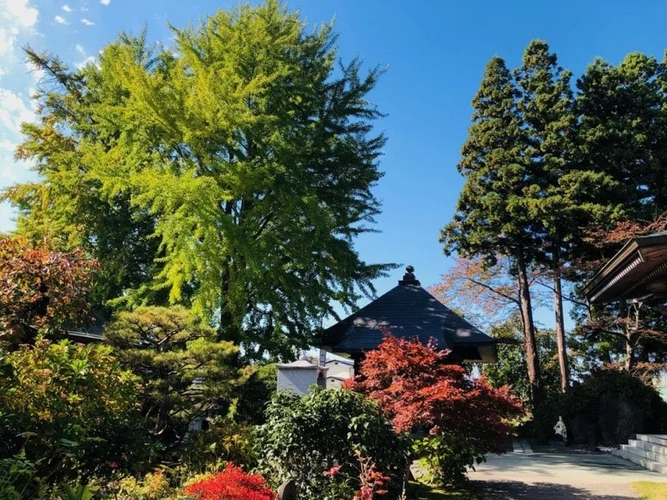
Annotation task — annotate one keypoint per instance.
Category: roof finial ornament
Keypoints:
(409, 277)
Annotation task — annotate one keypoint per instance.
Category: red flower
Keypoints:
(334, 470)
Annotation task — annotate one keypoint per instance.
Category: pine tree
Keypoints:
(185, 371)
(546, 108)
(491, 215)
(623, 135)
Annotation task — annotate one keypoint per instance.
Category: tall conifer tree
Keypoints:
(491, 214)
(545, 106)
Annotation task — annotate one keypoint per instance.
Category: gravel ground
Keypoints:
(559, 476)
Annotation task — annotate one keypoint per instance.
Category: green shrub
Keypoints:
(304, 437)
(256, 387)
(71, 408)
(17, 478)
(610, 406)
(156, 485)
(447, 457)
(223, 441)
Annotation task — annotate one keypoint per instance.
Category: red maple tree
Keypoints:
(419, 386)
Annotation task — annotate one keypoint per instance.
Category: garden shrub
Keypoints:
(18, 478)
(72, 410)
(304, 437)
(609, 406)
(153, 486)
(223, 441)
(231, 484)
(257, 385)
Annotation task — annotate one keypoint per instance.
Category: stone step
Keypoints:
(660, 439)
(655, 448)
(644, 453)
(644, 462)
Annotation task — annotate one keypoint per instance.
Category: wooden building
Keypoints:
(408, 311)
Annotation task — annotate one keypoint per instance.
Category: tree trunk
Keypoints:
(560, 326)
(228, 328)
(629, 351)
(532, 358)
(227, 331)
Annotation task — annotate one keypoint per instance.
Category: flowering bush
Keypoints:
(231, 484)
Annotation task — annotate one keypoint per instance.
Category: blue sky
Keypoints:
(435, 52)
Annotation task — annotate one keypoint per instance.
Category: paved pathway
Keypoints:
(559, 476)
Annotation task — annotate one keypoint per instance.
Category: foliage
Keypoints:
(419, 387)
(231, 484)
(510, 369)
(241, 161)
(81, 492)
(40, 290)
(71, 408)
(371, 481)
(609, 406)
(223, 441)
(17, 478)
(153, 486)
(306, 436)
(257, 385)
(491, 215)
(622, 129)
(69, 206)
(485, 294)
(186, 372)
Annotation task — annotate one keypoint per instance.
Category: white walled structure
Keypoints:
(340, 368)
(300, 375)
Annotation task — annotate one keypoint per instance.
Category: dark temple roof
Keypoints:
(638, 270)
(409, 311)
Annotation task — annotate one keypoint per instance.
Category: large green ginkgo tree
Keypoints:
(232, 172)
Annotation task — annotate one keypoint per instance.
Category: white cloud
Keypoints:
(37, 73)
(19, 11)
(7, 174)
(85, 62)
(79, 48)
(7, 145)
(7, 39)
(60, 20)
(105, 2)
(67, 8)
(15, 16)
(87, 22)
(13, 111)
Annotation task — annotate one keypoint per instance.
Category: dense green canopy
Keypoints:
(231, 172)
